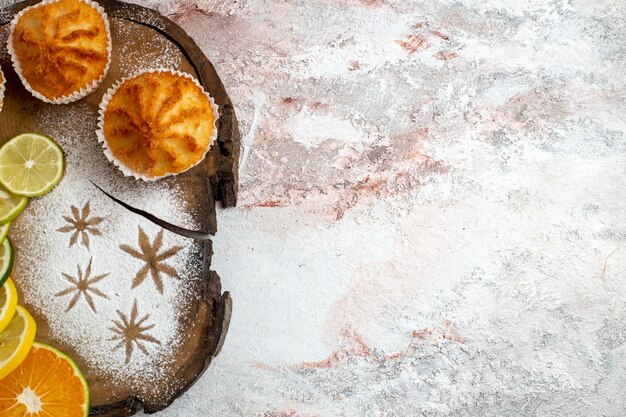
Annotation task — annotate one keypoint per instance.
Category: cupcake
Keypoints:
(61, 49)
(157, 123)
(2, 88)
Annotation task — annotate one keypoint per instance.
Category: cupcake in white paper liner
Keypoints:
(157, 123)
(75, 61)
(3, 83)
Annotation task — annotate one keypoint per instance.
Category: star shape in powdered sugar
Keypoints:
(80, 224)
(83, 285)
(154, 259)
(132, 332)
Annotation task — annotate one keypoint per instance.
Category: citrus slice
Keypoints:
(6, 259)
(30, 165)
(16, 340)
(46, 384)
(8, 303)
(4, 231)
(10, 205)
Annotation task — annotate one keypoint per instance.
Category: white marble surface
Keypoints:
(432, 215)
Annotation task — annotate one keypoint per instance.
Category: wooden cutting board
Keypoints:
(49, 256)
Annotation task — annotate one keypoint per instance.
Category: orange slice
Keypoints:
(46, 384)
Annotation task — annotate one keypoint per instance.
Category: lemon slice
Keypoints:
(6, 259)
(10, 205)
(30, 165)
(8, 303)
(16, 340)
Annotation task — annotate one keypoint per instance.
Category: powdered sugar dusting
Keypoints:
(159, 52)
(77, 131)
(44, 254)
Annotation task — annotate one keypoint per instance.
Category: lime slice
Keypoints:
(4, 231)
(6, 260)
(30, 165)
(8, 303)
(10, 205)
(16, 340)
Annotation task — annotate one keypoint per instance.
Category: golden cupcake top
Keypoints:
(60, 48)
(158, 124)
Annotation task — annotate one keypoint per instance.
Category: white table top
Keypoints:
(432, 213)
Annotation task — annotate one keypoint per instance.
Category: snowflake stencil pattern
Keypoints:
(131, 332)
(154, 259)
(83, 285)
(81, 225)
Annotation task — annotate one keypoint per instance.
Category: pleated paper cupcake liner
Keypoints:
(84, 91)
(2, 88)
(126, 170)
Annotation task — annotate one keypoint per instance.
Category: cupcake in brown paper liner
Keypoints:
(61, 49)
(157, 123)
(3, 82)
